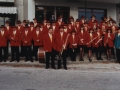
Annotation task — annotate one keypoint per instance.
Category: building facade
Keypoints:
(28, 9)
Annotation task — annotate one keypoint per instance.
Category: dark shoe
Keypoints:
(65, 68)
(90, 60)
(53, 67)
(17, 60)
(100, 59)
(11, 60)
(31, 60)
(59, 68)
(46, 67)
(4, 60)
(36, 59)
(0, 60)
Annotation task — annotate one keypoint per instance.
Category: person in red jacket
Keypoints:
(82, 41)
(90, 43)
(15, 43)
(108, 42)
(98, 43)
(49, 48)
(73, 43)
(8, 29)
(38, 41)
(3, 43)
(26, 41)
(20, 28)
(61, 46)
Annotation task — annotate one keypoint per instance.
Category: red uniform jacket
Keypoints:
(97, 39)
(73, 41)
(83, 36)
(60, 41)
(55, 29)
(91, 23)
(3, 39)
(38, 39)
(21, 29)
(26, 39)
(90, 40)
(47, 44)
(82, 22)
(8, 29)
(109, 41)
(114, 29)
(58, 24)
(77, 28)
(16, 38)
(103, 27)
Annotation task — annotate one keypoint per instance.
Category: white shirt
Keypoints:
(37, 32)
(14, 32)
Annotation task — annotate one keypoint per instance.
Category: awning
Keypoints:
(8, 10)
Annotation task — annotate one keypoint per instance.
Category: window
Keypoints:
(99, 13)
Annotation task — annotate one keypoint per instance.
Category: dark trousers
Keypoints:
(98, 52)
(48, 55)
(73, 54)
(35, 50)
(64, 56)
(15, 49)
(28, 53)
(7, 48)
(4, 53)
(118, 54)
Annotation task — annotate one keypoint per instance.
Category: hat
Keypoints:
(93, 16)
(37, 26)
(91, 29)
(24, 21)
(26, 26)
(77, 20)
(82, 16)
(34, 18)
(53, 22)
(31, 23)
(18, 22)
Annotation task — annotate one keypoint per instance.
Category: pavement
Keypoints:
(30, 78)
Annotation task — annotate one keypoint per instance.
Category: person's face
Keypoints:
(50, 31)
(119, 31)
(73, 33)
(19, 24)
(31, 25)
(35, 21)
(7, 24)
(108, 31)
(93, 18)
(61, 29)
(81, 28)
(37, 28)
(91, 31)
(3, 29)
(52, 15)
(98, 30)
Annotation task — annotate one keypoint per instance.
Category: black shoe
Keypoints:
(59, 68)
(65, 68)
(0, 60)
(53, 67)
(90, 60)
(4, 60)
(26, 60)
(36, 59)
(11, 60)
(17, 60)
(46, 67)
(100, 59)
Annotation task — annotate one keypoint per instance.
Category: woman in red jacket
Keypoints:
(82, 35)
(90, 43)
(108, 42)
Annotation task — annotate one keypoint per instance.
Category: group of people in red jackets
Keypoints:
(58, 39)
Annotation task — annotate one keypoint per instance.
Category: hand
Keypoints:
(46, 50)
(74, 44)
(87, 43)
(25, 42)
(37, 40)
(12, 38)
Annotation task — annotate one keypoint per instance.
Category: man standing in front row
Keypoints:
(3, 43)
(49, 48)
